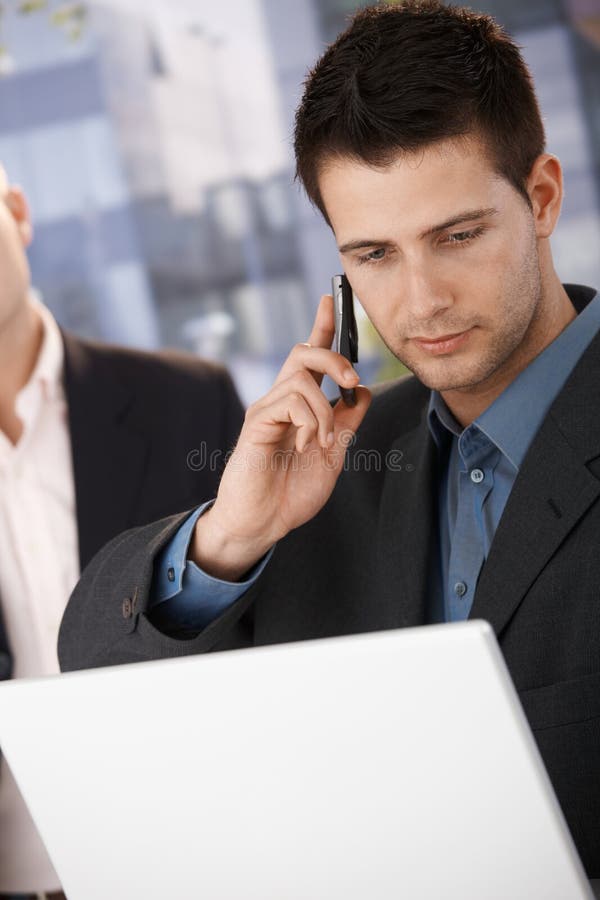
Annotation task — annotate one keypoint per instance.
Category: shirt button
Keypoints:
(477, 476)
(460, 589)
(171, 573)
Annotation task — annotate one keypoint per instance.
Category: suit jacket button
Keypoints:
(127, 608)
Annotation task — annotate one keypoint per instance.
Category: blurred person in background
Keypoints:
(94, 439)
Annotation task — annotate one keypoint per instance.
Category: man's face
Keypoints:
(14, 269)
(475, 284)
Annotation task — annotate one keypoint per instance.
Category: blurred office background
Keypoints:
(153, 139)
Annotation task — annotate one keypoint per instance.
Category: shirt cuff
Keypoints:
(194, 597)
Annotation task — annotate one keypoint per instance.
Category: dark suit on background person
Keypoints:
(134, 419)
(363, 563)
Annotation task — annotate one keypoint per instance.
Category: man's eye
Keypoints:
(463, 237)
(372, 256)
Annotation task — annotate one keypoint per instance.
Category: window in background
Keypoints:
(156, 151)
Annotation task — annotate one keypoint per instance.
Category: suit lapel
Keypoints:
(108, 456)
(405, 530)
(553, 490)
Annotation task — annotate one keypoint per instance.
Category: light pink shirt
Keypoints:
(39, 566)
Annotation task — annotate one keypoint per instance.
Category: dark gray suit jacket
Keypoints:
(134, 418)
(362, 564)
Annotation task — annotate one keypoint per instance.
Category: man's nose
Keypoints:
(425, 292)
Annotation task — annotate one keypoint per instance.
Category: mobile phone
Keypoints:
(346, 332)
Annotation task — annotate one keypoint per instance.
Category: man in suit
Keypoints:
(93, 440)
(470, 489)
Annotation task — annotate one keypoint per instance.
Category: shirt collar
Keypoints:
(514, 418)
(45, 383)
(48, 370)
(441, 422)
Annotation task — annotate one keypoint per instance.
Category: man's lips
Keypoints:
(445, 344)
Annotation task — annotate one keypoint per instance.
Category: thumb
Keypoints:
(348, 418)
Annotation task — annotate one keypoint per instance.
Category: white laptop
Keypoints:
(390, 765)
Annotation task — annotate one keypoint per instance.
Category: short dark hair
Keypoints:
(402, 77)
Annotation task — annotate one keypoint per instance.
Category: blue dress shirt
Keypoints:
(479, 466)
(195, 598)
(484, 459)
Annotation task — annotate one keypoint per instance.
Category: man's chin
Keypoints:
(460, 381)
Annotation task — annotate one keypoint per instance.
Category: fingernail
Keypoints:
(330, 439)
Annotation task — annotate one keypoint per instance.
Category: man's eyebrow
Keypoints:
(362, 243)
(467, 216)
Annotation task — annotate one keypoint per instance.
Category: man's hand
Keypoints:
(287, 460)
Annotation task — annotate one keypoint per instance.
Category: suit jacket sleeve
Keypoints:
(325, 578)
(106, 621)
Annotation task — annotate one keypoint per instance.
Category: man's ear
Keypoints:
(545, 189)
(19, 208)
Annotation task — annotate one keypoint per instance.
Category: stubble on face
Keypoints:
(420, 288)
(505, 335)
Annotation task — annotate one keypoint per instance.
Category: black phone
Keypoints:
(346, 332)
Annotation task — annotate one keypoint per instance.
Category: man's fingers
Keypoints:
(318, 362)
(316, 354)
(297, 411)
(267, 423)
(303, 405)
(303, 383)
(323, 329)
(348, 418)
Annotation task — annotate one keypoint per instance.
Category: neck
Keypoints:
(557, 312)
(20, 342)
